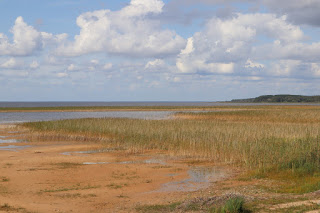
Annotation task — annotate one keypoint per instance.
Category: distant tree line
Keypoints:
(280, 99)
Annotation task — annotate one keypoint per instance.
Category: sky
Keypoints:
(158, 50)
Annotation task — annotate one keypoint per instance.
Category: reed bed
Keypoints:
(263, 138)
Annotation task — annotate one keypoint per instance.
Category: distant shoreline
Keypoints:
(279, 99)
(217, 105)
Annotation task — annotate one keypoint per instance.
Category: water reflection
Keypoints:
(9, 141)
(199, 178)
(15, 117)
(13, 148)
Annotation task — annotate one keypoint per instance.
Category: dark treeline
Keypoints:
(280, 99)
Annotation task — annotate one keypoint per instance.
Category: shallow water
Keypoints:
(137, 103)
(88, 152)
(13, 148)
(150, 104)
(9, 141)
(15, 117)
(199, 178)
(150, 161)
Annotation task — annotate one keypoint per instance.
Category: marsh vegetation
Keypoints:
(277, 142)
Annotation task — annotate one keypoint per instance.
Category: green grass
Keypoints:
(72, 188)
(116, 186)
(67, 165)
(4, 179)
(233, 205)
(158, 208)
(284, 139)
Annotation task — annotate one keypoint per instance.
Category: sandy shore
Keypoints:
(63, 177)
(69, 176)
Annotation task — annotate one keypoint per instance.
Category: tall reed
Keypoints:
(258, 137)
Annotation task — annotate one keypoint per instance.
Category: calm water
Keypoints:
(66, 104)
(13, 117)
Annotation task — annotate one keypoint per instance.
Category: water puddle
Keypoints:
(199, 178)
(87, 152)
(10, 141)
(95, 163)
(150, 161)
(12, 148)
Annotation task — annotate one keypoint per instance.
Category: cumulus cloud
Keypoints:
(251, 64)
(107, 66)
(315, 68)
(94, 61)
(12, 63)
(62, 75)
(284, 67)
(26, 40)
(72, 67)
(155, 64)
(34, 65)
(300, 12)
(288, 51)
(226, 44)
(128, 31)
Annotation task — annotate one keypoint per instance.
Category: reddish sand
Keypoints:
(40, 178)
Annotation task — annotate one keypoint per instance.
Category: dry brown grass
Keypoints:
(277, 137)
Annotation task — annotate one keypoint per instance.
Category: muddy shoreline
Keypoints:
(87, 177)
(73, 176)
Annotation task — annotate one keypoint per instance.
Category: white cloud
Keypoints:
(155, 64)
(284, 67)
(315, 69)
(254, 78)
(107, 66)
(128, 31)
(26, 40)
(72, 67)
(94, 61)
(298, 11)
(227, 44)
(12, 63)
(34, 65)
(62, 75)
(251, 64)
(189, 48)
(288, 51)
(142, 7)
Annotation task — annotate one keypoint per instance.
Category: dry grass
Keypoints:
(277, 137)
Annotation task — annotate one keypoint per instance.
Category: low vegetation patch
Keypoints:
(67, 165)
(158, 208)
(229, 203)
(4, 179)
(7, 208)
(72, 188)
(233, 205)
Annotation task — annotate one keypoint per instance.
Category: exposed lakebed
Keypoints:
(199, 177)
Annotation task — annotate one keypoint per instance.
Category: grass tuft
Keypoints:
(233, 205)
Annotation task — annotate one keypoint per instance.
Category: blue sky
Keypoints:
(158, 50)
